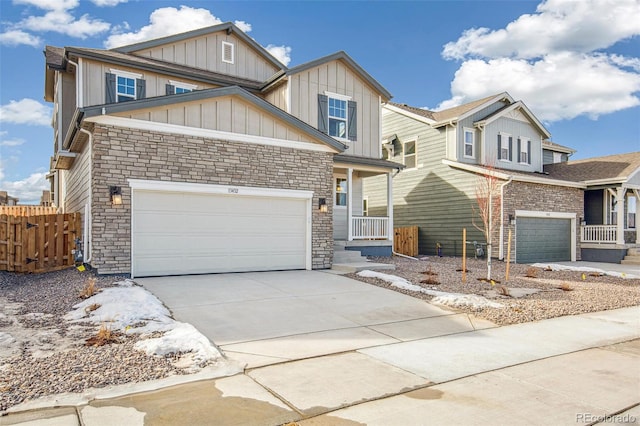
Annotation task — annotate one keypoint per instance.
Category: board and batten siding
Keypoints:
(336, 77)
(68, 101)
(278, 97)
(435, 197)
(480, 150)
(94, 81)
(78, 182)
(517, 129)
(205, 52)
(227, 114)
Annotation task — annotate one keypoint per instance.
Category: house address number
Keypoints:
(233, 190)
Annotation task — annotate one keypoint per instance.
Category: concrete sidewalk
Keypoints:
(567, 370)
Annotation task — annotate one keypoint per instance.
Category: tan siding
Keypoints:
(635, 179)
(94, 81)
(78, 182)
(205, 52)
(227, 114)
(278, 97)
(336, 77)
(68, 101)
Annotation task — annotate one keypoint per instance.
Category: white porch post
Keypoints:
(620, 214)
(390, 205)
(637, 194)
(349, 204)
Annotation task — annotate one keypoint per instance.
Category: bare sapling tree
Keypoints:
(486, 211)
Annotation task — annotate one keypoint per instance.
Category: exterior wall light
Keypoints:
(322, 205)
(115, 193)
(512, 219)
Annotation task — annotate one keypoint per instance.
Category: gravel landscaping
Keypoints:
(554, 293)
(41, 353)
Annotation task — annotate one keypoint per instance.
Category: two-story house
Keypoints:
(447, 152)
(200, 153)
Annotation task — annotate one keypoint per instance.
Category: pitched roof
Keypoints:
(418, 111)
(341, 55)
(552, 146)
(616, 168)
(54, 57)
(456, 112)
(228, 26)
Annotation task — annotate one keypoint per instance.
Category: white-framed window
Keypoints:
(631, 211)
(341, 191)
(365, 206)
(557, 157)
(228, 52)
(469, 142)
(126, 85)
(524, 147)
(612, 207)
(409, 154)
(181, 87)
(337, 118)
(505, 144)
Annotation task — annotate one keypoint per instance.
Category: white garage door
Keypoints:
(177, 233)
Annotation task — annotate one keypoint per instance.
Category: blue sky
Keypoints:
(576, 64)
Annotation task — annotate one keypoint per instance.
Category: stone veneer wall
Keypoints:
(123, 153)
(537, 197)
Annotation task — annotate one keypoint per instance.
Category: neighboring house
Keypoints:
(447, 152)
(200, 153)
(555, 153)
(45, 198)
(7, 200)
(611, 200)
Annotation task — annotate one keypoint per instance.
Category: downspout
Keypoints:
(501, 257)
(87, 207)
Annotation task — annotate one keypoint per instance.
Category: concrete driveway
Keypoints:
(270, 317)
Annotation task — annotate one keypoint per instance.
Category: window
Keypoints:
(175, 87)
(365, 206)
(341, 192)
(123, 86)
(410, 154)
(612, 207)
(227, 52)
(505, 143)
(337, 115)
(557, 157)
(524, 151)
(631, 211)
(469, 143)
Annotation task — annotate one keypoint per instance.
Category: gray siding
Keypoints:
(278, 97)
(468, 122)
(68, 101)
(78, 182)
(205, 52)
(516, 129)
(634, 179)
(336, 77)
(435, 197)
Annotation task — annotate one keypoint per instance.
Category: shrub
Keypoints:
(104, 336)
(89, 289)
(531, 272)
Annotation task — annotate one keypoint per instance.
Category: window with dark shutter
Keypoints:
(170, 89)
(110, 88)
(353, 121)
(323, 108)
(141, 88)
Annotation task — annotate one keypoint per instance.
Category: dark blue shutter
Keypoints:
(499, 147)
(353, 120)
(529, 152)
(141, 88)
(171, 89)
(518, 155)
(110, 88)
(323, 111)
(510, 148)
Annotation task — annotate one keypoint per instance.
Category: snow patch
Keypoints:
(558, 267)
(440, 297)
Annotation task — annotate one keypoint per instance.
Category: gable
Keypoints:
(207, 52)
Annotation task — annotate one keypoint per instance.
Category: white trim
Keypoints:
(127, 74)
(524, 143)
(518, 178)
(183, 85)
(350, 204)
(408, 114)
(337, 96)
(553, 215)
(509, 148)
(205, 133)
(464, 142)
(360, 167)
(519, 104)
(79, 84)
(415, 153)
(233, 52)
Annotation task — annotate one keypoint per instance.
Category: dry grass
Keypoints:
(91, 307)
(430, 272)
(89, 289)
(430, 280)
(504, 291)
(104, 336)
(531, 272)
(565, 287)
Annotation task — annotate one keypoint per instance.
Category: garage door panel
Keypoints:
(543, 239)
(186, 233)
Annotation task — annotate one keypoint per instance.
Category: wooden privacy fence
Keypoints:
(405, 240)
(38, 243)
(27, 210)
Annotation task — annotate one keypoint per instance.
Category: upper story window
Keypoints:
(337, 115)
(469, 143)
(228, 52)
(179, 87)
(557, 157)
(524, 151)
(409, 154)
(505, 147)
(122, 86)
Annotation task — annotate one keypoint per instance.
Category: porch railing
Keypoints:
(369, 228)
(599, 234)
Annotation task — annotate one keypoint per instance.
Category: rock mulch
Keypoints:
(558, 293)
(42, 354)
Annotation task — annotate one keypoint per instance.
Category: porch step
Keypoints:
(632, 257)
(633, 251)
(349, 268)
(347, 256)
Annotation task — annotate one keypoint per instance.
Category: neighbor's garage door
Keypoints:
(177, 233)
(542, 239)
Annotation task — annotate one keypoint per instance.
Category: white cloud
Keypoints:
(107, 3)
(282, 53)
(552, 60)
(25, 111)
(28, 190)
(244, 26)
(11, 142)
(166, 21)
(18, 37)
(50, 5)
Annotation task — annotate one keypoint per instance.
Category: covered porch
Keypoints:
(353, 228)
